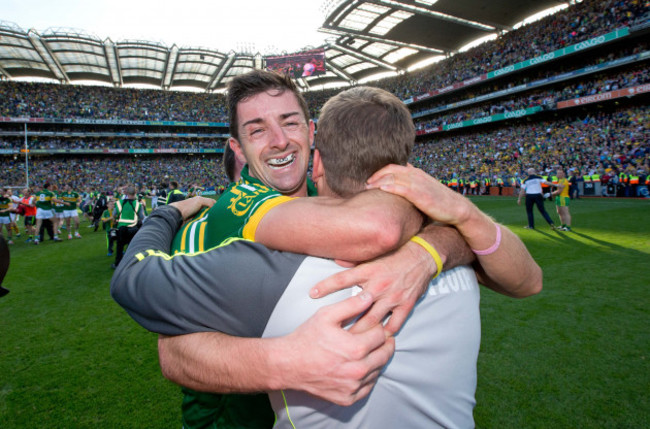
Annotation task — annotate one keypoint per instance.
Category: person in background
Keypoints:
(108, 226)
(573, 185)
(45, 213)
(71, 199)
(128, 217)
(27, 202)
(532, 188)
(4, 264)
(562, 198)
(232, 164)
(58, 205)
(5, 209)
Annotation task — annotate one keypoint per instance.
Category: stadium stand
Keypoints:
(570, 90)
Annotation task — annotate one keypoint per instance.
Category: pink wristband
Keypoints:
(490, 250)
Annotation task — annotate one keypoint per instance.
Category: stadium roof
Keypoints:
(368, 37)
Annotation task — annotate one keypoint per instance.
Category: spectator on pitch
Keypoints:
(532, 188)
(162, 194)
(101, 203)
(153, 194)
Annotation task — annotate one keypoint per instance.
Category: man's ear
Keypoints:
(317, 167)
(312, 129)
(236, 148)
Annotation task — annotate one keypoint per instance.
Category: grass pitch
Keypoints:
(575, 355)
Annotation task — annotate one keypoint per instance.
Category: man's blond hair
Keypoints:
(361, 130)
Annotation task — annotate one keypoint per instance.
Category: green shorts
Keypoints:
(562, 201)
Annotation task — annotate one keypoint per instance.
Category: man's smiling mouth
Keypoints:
(282, 162)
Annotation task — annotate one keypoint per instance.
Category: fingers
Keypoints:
(376, 360)
(346, 264)
(338, 281)
(397, 319)
(374, 316)
(207, 202)
(191, 206)
(337, 314)
(387, 170)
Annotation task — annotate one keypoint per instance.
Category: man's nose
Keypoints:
(279, 137)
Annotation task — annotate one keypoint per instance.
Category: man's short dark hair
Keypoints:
(255, 82)
(173, 184)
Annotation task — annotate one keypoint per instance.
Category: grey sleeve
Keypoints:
(231, 289)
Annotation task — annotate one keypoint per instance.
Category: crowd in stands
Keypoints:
(108, 143)
(37, 100)
(602, 83)
(590, 85)
(580, 22)
(517, 80)
(108, 173)
(601, 142)
(575, 24)
(547, 96)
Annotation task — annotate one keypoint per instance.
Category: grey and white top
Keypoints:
(533, 184)
(248, 290)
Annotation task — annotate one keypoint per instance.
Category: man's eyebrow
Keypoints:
(252, 121)
(260, 120)
(289, 114)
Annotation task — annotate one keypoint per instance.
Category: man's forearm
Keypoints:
(214, 362)
(449, 244)
(356, 229)
(510, 269)
(331, 363)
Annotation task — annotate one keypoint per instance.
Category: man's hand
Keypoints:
(438, 202)
(433, 198)
(191, 206)
(332, 363)
(396, 280)
(320, 357)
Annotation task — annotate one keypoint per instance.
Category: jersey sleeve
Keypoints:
(235, 214)
(231, 289)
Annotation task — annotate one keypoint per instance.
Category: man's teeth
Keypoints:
(281, 161)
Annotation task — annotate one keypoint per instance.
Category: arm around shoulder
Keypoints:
(356, 229)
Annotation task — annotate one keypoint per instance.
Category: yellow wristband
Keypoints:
(432, 251)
